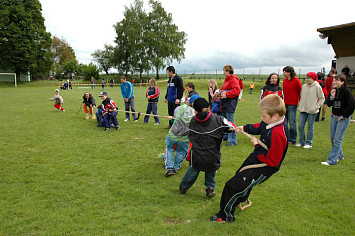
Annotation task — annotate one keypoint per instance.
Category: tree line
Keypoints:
(144, 41)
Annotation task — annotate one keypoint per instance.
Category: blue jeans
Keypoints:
(152, 107)
(112, 117)
(131, 104)
(191, 176)
(232, 137)
(337, 132)
(301, 123)
(291, 111)
(181, 152)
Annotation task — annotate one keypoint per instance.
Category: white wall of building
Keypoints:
(342, 61)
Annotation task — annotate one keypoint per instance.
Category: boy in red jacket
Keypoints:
(261, 163)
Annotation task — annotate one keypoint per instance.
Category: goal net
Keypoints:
(8, 77)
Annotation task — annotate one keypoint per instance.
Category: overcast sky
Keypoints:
(247, 34)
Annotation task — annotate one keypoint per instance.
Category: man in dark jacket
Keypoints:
(205, 134)
(174, 92)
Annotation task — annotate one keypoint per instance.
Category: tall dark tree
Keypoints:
(165, 42)
(104, 57)
(24, 41)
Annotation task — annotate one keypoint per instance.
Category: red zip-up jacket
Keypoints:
(292, 91)
(231, 83)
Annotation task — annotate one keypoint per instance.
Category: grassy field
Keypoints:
(60, 174)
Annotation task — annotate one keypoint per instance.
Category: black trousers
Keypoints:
(237, 190)
(171, 109)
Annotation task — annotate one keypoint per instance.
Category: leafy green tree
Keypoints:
(104, 58)
(61, 53)
(24, 41)
(165, 42)
(70, 67)
(89, 71)
(129, 49)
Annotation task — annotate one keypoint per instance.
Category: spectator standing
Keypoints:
(128, 97)
(328, 87)
(343, 103)
(311, 100)
(346, 71)
(229, 99)
(292, 90)
(174, 92)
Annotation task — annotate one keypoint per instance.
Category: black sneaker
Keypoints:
(168, 127)
(182, 190)
(170, 171)
(210, 192)
(117, 128)
(323, 118)
(106, 129)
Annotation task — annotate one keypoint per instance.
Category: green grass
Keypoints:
(60, 174)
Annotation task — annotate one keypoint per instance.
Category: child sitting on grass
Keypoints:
(89, 102)
(205, 134)
(153, 98)
(58, 100)
(178, 136)
(261, 163)
(109, 112)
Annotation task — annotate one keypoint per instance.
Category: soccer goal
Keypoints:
(14, 74)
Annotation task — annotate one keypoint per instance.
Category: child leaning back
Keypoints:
(261, 164)
(177, 137)
(58, 100)
(206, 135)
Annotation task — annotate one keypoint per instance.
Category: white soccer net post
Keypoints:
(14, 74)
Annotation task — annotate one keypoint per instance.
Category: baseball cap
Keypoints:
(102, 94)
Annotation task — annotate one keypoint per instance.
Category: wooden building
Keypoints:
(342, 39)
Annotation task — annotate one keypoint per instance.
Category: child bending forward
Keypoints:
(58, 100)
(261, 164)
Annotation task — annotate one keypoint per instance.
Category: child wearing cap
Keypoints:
(89, 102)
(262, 163)
(58, 100)
(109, 112)
(178, 137)
(206, 135)
(312, 98)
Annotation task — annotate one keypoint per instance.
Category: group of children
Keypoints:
(197, 134)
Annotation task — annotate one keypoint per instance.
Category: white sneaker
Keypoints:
(307, 146)
(298, 145)
(325, 163)
(126, 120)
(135, 120)
(157, 124)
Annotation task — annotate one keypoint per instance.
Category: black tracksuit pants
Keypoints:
(237, 190)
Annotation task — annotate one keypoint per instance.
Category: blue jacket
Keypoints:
(175, 89)
(127, 90)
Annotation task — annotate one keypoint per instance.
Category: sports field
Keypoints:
(61, 175)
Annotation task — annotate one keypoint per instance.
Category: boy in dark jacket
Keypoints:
(109, 111)
(205, 134)
(261, 163)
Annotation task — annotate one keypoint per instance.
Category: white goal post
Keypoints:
(14, 74)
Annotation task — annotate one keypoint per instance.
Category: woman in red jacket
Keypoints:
(292, 91)
(229, 99)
